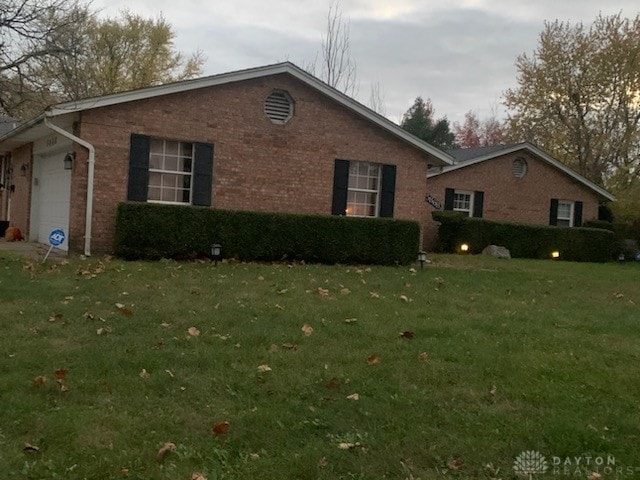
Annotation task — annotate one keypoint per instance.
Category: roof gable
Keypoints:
(471, 156)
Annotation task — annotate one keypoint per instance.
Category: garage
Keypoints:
(51, 191)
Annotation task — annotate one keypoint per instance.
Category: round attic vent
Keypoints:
(278, 106)
(519, 167)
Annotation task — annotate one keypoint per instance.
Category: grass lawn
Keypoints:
(103, 362)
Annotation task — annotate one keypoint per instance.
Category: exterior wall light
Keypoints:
(422, 257)
(23, 170)
(68, 161)
(216, 253)
(555, 254)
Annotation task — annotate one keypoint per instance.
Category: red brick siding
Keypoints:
(20, 206)
(257, 165)
(512, 199)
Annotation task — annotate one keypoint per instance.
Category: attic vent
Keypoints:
(278, 106)
(519, 168)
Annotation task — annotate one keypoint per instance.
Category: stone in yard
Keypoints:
(497, 251)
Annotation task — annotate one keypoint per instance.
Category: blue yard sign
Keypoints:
(56, 238)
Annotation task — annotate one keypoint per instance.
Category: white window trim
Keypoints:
(377, 191)
(173, 172)
(572, 206)
(471, 198)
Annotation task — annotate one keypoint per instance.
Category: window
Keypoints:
(170, 171)
(363, 190)
(565, 213)
(463, 202)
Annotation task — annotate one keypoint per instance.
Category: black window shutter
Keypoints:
(388, 193)
(138, 168)
(340, 187)
(202, 174)
(478, 204)
(553, 212)
(448, 198)
(577, 214)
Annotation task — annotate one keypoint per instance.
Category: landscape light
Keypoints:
(216, 252)
(422, 257)
(464, 248)
(555, 254)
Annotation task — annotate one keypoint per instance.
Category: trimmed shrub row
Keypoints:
(152, 231)
(524, 241)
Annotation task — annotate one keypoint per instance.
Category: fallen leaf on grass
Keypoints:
(40, 380)
(170, 373)
(220, 428)
(594, 476)
(144, 373)
(165, 324)
(124, 471)
(56, 316)
(278, 306)
(618, 295)
(289, 346)
(406, 334)
(456, 464)
(307, 330)
(423, 357)
(350, 320)
(193, 331)
(323, 462)
(264, 368)
(273, 348)
(103, 331)
(373, 359)
(30, 448)
(197, 476)
(348, 445)
(61, 374)
(493, 390)
(332, 383)
(404, 298)
(345, 291)
(323, 291)
(164, 451)
(374, 295)
(254, 456)
(353, 396)
(124, 310)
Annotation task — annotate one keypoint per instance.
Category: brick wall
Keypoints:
(19, 214)
(258, 165)
(511, 199)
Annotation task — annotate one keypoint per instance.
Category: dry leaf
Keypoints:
(197, 476)
(618, 295)
(353, 396)
(456, 464)
(63, 387)
(170, 373)
(88, 315)
(348, 445)
(307, 330)
(273, 348)
(406, 334)
(55, 316)
(290, 346)
(61, 374)
(220, 428)
(264, 368)
(423, 357)
(254, 456)
(350, 320)
(323, 462)
(373, 359)
(164, 451)
(124, 310)
(323, 291)
(165, 324)
(144, 373)
(594, 476)
(345, 291)
(30, 448)
(374, 295)
(493, 390)
(278, 306)
(103, 331)
(193, 331)
(40, 380)
(333, 383)
(260, 277)
(404, 298)
(124, 471)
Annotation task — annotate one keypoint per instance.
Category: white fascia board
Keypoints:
(538, 153)
(440, 157)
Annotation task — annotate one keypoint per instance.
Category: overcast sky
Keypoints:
(459, 53)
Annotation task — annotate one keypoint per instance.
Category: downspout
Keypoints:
(90, 173)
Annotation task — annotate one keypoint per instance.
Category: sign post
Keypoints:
(56, 238)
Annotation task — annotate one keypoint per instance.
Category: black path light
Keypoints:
(216, 252)
(422, 257)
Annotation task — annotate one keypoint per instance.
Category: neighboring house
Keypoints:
(512, 183)
(272, 138)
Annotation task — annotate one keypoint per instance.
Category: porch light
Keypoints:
(464, 248)
(555, 254)
(216, 253)
(23, 170)
(422, 257)
(68, 161)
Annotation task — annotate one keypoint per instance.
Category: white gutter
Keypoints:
(90, 173)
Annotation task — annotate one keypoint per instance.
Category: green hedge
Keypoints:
(152, 231)
(524, 241)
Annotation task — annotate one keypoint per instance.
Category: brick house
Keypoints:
(272, 138)
(512, 183)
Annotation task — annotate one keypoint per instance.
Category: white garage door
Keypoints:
(51, 195)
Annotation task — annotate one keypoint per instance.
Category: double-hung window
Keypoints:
(463, 202)
(363, 198)
(565, 213)
(170, 171)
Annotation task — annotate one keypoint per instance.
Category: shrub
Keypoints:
(525, 241)
(152, 231)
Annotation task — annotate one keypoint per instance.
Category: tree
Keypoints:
(29, 31)
(578, 97)
(419, 120)
(474, 132)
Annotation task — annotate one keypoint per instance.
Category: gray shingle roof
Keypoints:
(465, 154)
(7, 124)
